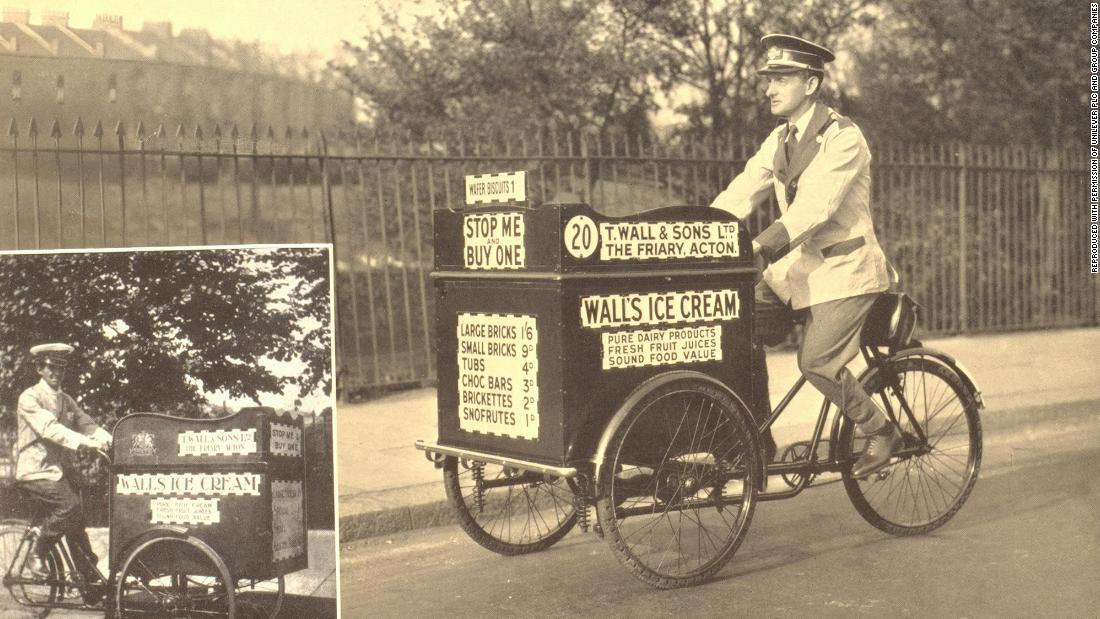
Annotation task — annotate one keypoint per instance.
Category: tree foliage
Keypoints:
(978, 70)
(502, 63)
(151, 327)
(991, 71)
(712, 49)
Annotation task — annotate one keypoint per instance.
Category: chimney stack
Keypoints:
(107, 22)
(17, 16)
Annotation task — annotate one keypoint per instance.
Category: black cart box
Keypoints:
(547, 318)
(237, 483)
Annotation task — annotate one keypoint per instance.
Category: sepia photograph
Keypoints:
(605, 282)
(167, 449)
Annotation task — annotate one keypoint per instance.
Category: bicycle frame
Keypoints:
(73, 578)
(809, 466)
(77, 582)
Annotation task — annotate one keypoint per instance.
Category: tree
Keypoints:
(981, 70)
(711, 49)
(502, 63)
(150, 328)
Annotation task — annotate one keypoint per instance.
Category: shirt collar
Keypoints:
(44, 386)
(802, 121)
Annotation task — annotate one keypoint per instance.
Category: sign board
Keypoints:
(286, 440)
(654, 308)
(217, 442)
(641, 348)
(493, 241)
(217, 484)
(498, 374)
(651, 240)
(287, 520)
(496, 188)
(184, 511)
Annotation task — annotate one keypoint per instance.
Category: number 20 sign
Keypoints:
(581, 236)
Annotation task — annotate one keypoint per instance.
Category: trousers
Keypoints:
(64, 517)
(829, 343)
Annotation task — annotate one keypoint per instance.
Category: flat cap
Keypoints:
(54, 354)
(787, 54)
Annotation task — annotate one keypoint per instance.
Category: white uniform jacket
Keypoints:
(50, 422)
(823, 244)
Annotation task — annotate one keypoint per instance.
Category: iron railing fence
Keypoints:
(986, 238)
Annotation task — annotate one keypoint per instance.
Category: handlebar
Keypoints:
(99, 453)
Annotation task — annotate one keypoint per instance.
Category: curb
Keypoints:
(397, 519)
(392, 520)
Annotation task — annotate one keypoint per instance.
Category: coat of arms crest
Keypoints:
(142, 444)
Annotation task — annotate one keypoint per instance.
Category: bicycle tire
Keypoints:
(951, 465)
(542, 509)
(673, 459)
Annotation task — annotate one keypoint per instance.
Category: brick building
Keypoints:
(54, 71)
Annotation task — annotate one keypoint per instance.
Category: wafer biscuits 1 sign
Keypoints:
(498, 374)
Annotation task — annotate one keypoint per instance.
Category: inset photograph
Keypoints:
(166, 433)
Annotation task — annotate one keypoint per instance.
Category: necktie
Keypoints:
(792, 139)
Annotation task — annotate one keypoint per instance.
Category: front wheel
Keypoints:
(676, 491)
(509, 511)
(942, 448)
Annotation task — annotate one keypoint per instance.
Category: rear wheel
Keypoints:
(14, 549)
(921, 491)
(506, 510)
(677, 489)
(260, 599)
(169, 577)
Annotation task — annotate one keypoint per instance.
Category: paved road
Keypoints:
(1027, 543)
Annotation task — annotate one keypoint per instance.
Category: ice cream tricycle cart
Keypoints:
(206, 519)
(593, 364)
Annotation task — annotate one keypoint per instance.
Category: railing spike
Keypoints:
(198, 132)
(289, 134)
(98, 130)
(233, 132)
(179, 131)
(78, 128)
(254, 132)
(270, 132)
(120, 129)
(55, 130)
(13, 129)
(33, 130)
(141, 130)
(160, 129)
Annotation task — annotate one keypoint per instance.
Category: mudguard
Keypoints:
(920, 351)
(653, 383)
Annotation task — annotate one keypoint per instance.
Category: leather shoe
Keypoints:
(93, 592)
(880, 447)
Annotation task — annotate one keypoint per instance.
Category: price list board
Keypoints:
(497, 366)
